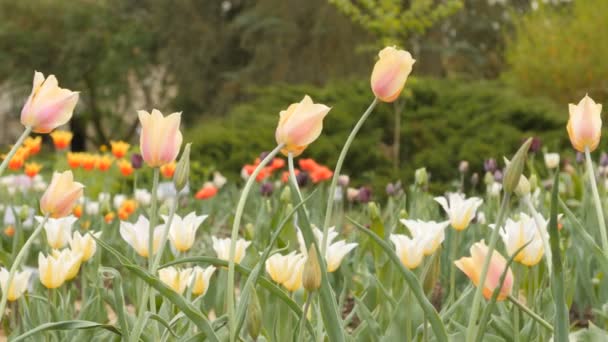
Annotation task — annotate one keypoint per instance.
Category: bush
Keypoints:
(444, 121)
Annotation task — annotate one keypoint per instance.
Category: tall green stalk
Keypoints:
(13, 150)
(17, 262)
(338, 169)
(235, 232)
(599, 211)
(472, 328)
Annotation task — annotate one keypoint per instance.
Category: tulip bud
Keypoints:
(585, 124)
(533, 182)
(488, 178)
(24, 213)
(403, 214)
(523, 187)
(286, 195)
(160, 138)
(311, 275)
(182, 170)
(137, 160)
(390, 73)
(254, 315)
(463, 167)
(516, 167)
(374, 211)
(421, 176)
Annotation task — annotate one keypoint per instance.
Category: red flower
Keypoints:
(207, 191)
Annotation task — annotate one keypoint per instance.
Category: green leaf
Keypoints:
(119, 299)
(67, 325)
(412, 281)
(561, 324)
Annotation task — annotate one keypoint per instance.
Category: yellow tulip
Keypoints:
(48, 106)
(200, 279)
(471, 266)
(58, 231)
(390, 73)
(53, 270)
(182, 232)
(222, 248)
(585, 124)
(160, 138)
(61, 196)
(460, 210)
(18, 286)
(174, 278)
(85, 245)
(409, 250)
(299, 125)
(71, 259)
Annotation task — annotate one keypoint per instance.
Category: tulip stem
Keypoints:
(598, 203)
(235, 232)
(338, 169)
(292, 175)
(17, 263)
(304, 317)
(454, 245)
(152, 214)
(530, 313)
(14, 149)
(472, 328)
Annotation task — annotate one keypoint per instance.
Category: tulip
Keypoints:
(32, 169)
(18, 285)
(471, 266)
(125, 167)
(143, 196)
(409, 250)
(183, 231)
(311, 272)
(137, 235)
(461, 211)
(85, 245)
(280, 268)
(200, 279)
(61, 196)
(207, 191)
(334, 252)
(33, 144)
(176, 279)
(585, 124)
(119, 148)
(160, 138)
(294, 282)
(48, 106)
(516, 234)
(53, 270)
(72, 260)
(551, 160)
(88, 161)
(429, 234)
(103, 163)
(168, 170)
(58, 231)
(390, 73)
(299, 125)
(74, 159)
(218, 180)
(222, 248)
(61, 139)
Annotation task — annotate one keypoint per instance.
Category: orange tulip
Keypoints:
(104, 162)
(390, 73)
(88, 161)
(33, 144)
(207, 191)
(308, 164)
(32, 169)
(109, 217)
(471, 266)
(320, 174)
(129, 206)
(77, 211)
(48, 106)
(61, 196)
(17, 161)
(168, 170)
(61, 139)
(277, 163)
(585, 124)
(119, 148)
(74, 159)
(160, 138)
(125, 167)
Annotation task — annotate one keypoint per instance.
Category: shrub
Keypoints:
(444, 121)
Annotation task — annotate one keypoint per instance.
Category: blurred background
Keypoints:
(488, 74)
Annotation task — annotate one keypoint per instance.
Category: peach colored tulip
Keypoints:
(48, 106)
(471, 266)
(390, 73)
(160, 138)
(585, 124)
(61, 196)
(299, 125)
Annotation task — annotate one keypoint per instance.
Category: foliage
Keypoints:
(560, 52)
(468, 120)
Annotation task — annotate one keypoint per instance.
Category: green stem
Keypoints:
(455, 243)
(165, 235)
(17, 263)
(235, 232)
(472, 328)
(292, 175)
(530, 313)
(14, 149)
(152, 214)
(598, 203)
(338, 169)
(516, 312)
(303, 319)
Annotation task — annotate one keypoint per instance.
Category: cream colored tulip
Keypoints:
(334, 251)
(459, 209)
(72, 260)
(280, 267)
(294, 282)
(299, 125)
(176, 279)
(85, 245)
(160, 138)
(58, 231)
(18, 286)
(137, 235)
(551, 160)
(182, 232)
(516, 234)
(410, 251)
(585, 124)
(61, 196)
(201, 279)
(430, 234)
(52, 270)
(48, 106)
(222, 248)
(390, 73)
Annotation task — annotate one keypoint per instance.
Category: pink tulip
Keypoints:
(585, 124)
(299, 125)
(390, 73)
(160, 138)
(48, 106)
(471, 266)
(61, 196)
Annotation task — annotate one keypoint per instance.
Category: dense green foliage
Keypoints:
(464, 120)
